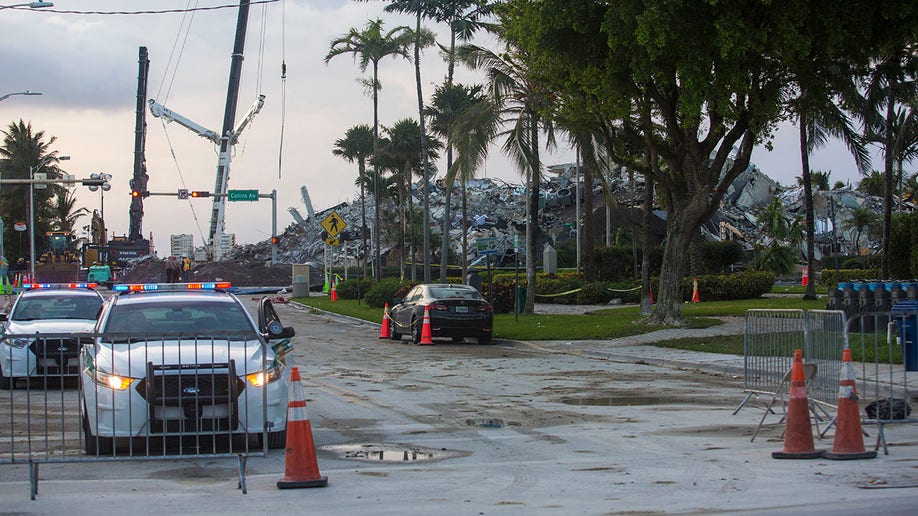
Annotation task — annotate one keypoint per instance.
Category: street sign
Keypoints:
(486, 246)
(333, 241)
(40, 176)
(20, 226)
(334, 224)
(183, 193)
(242, 195)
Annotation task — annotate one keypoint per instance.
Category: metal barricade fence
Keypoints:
(103, 397)
(886, 345)
(769, 341)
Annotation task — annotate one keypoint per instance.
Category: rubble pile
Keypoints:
(498, 209)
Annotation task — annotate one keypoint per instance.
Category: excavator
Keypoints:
(61, 264)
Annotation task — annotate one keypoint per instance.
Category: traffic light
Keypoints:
(274, 240)
(200, 194)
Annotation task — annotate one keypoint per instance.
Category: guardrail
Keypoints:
(157, 402)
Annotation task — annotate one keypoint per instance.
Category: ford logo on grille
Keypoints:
(62, 349)
(191, 390)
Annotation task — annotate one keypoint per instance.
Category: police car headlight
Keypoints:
(112, 381)
(261, 378)
(18, 343)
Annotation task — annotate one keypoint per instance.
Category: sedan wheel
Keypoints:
(416, 331)
(95, 445)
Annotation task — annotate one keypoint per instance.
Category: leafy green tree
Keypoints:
(861, 219)
(357, 146)
(715, 78)
(873, 183)
(369, 46)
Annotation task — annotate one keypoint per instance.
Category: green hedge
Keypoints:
(740, 285)
(828, 278)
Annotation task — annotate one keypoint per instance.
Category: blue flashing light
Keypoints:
(36, 286)
(172, 287)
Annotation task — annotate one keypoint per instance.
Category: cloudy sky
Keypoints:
(85, 65)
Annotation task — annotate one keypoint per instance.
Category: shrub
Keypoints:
(347, 289)
(502, 289)
(828, 278)
(388, 288)
(604, 291)
(548, 286)
(741, 285)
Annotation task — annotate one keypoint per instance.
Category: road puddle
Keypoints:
(391, 453)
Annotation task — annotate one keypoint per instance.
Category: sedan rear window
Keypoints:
(454, 293)
(58, 307)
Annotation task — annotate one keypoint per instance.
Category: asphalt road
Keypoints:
(510, 428)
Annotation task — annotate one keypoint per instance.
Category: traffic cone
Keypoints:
(695, 290)
(798, 434)
(806, 277)
(426, 336)
(334, 291)
(849, 438)
(300, 466)
(651, 294)
(384, 332)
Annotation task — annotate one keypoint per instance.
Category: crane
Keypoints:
(225, 138)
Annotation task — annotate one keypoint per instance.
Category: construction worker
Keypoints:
(186, 267)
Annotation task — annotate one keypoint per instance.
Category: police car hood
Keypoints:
(205, 355)
(51, 326)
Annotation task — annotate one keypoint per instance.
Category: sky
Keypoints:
(85, 66)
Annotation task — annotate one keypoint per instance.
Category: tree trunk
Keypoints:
(808, 207)
(679, 231)
(425, 198)
(377, 262)
(446, 225)
(646, 287)
(588, 253)
(363, 215)
(532, 224)
(889, 147)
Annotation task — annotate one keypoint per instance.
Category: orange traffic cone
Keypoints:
(798, 434)
(806, 277)
(384, 332)
(695, 290)
(849, 438)
(334, 292)
(426, 335)
(651, 294)
(300, 466)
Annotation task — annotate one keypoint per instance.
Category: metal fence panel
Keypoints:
(825, 342)
(769, 341)
(172, 402)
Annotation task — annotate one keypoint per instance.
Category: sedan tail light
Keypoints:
(438, 306)
(484, 308)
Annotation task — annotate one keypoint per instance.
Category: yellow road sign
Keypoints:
(333, 224)
(332, 241)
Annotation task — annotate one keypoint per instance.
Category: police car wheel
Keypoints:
(95, 445)
(276, 440)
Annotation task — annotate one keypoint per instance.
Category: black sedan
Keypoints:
(456, 311)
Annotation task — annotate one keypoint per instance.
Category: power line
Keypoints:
(163, 11)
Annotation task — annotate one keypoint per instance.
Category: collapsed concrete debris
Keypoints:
(497, 209)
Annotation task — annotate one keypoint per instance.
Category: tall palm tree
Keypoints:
(64, 210)
(357, 145)
(473, 130)
(861, 219)
(890, 81)
(524, 105)
(818, 119)
(21, 150)
(369, 46)
(404, 150)
(446, 105)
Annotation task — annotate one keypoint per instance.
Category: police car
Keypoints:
(61, 311)
(184, 359)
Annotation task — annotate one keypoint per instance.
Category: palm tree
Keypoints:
(818, 119)
(473, 130)
(446, 105)
(64, 210)
(23, 149)
(368, 47)
(861, 219)
(890, 81)
(357, 145)
(524, 106)
(872, 183)
(403, 152)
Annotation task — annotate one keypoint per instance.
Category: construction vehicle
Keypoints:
(61, 264)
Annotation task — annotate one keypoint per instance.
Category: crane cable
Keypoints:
(280, 150)
(182, 34)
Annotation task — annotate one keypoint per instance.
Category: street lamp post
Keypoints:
(31, 5)
(26, 92)
(32, 171)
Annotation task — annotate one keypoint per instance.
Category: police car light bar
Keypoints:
(36, 286)
(171, 287)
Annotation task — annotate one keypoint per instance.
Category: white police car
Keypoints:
(61, 311)
(184, 359)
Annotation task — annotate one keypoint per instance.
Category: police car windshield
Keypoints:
(186, 317)
(58, 307)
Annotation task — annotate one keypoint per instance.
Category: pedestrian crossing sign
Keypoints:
(333, 224)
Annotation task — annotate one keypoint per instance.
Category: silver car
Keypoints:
(60, 311)
(184, 359)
